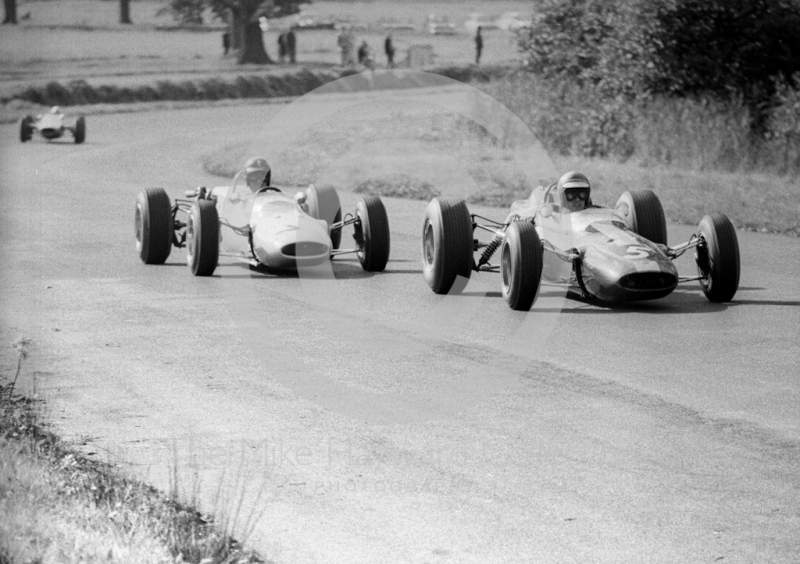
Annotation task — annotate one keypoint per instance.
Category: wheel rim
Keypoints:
(507, 270)
(139, 226)
(190, 239)
(429, 245)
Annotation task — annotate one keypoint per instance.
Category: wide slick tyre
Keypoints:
(521, 265)
(323, 203)
(80, 130)
(447, 245)
(643, 214)
(374, 234)
(202, 238)
(154, 225)
(26, 129)
(717, 257)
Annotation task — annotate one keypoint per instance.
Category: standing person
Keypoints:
(291, 45)
(478, 45)
(388, 47)
(226, 43)
(282, 47)
(345, 42)
(363, 53)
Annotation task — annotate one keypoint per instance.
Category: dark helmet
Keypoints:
(258, 168)
(574, 185)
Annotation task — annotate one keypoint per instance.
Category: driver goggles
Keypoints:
(582, 195)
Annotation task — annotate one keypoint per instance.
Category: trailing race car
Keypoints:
(257, 223)
(558, 236)
(52, 125)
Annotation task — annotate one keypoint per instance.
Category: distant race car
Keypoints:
(264, 227)
(52, 125)
(610, 256)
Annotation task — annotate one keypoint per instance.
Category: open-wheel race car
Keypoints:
(259, 224)
(557, 236)
(52, 125)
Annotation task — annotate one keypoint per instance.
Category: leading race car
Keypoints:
(255, 222)
(52, 125)
(557, 236)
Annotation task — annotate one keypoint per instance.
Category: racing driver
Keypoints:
(575, 191)
(258, 173)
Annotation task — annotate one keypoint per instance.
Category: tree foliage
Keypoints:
(724, 47)
(242, 16)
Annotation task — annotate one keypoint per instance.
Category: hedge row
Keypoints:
(79, 92)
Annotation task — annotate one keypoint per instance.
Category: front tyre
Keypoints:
(372, 234)
(643, 214)
(202, 238)
(447, 244)
(717, 258)
(26, 129)
(80, 130)
(521, 265)
(323, 203)
(154, 225)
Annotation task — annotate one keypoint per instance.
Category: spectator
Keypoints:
(388, 47)
(226, 43)
(478, 45)
(291, 45)
(282, 47)
(363, 53)
(346, 42)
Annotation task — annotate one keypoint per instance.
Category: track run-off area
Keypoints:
(360, 418)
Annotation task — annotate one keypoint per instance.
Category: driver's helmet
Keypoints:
(258, 173)
(575, 191)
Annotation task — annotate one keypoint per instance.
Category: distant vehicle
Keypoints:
(398, 26)
(265, 228)
(512, 21)
(440, 26)
(611, 256)
(309, 21)
(477, 20)
(52, 125)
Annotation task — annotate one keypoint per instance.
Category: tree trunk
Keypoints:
(253, 50)
(11, 11)
(125, 11)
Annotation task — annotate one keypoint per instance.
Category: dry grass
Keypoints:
(58, 506)
(443, 150)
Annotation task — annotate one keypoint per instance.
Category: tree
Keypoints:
(242, 16)
(125, 11)
(11, 11)
(726, 48)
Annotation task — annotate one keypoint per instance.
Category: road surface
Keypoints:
(364, 419)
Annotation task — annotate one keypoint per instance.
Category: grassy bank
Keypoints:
(754, 202)
(60, 506)
(294, 83)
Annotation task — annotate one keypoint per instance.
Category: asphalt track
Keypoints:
(377, 422)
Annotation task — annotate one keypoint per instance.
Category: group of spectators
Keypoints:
(287, 48)
(347, 44)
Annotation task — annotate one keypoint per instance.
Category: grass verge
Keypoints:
(60, 506)
(753, 202)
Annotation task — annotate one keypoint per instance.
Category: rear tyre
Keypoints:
(154, 225)
(80, 130)
(202, 238)
(26, 129)
(447, 245)
(372, 234)
(521, 265)
(717, 258)
(643, 214)
(323, 203)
